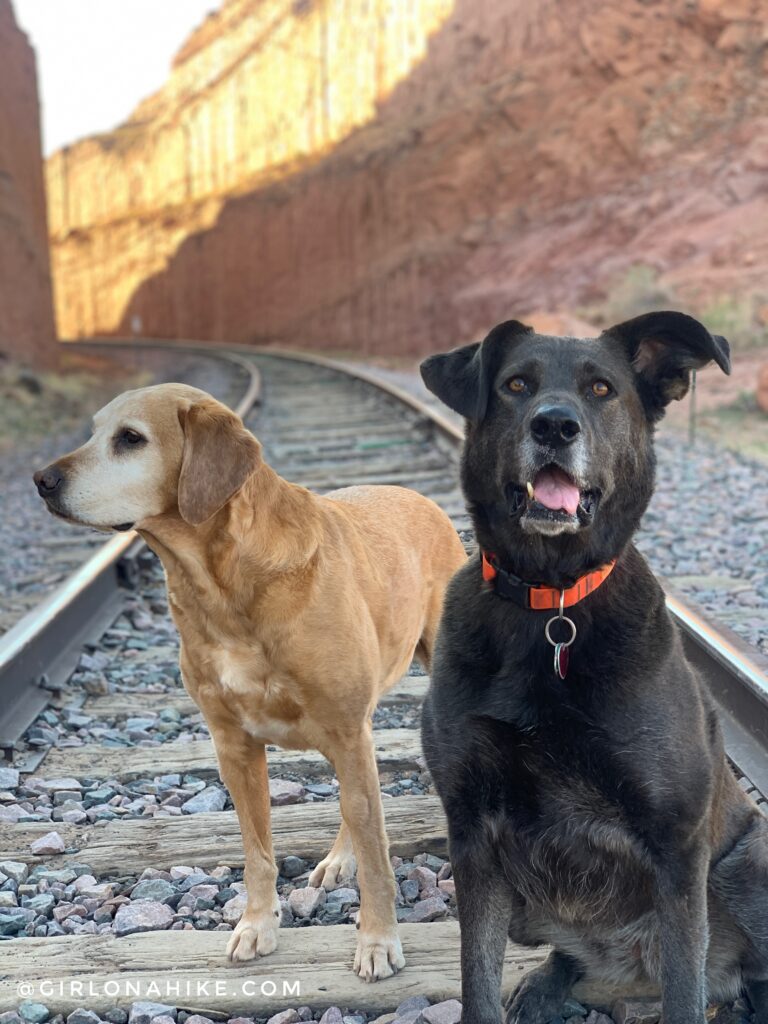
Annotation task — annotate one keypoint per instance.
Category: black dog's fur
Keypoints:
(597, 814)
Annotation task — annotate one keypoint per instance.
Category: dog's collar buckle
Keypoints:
(537, 596)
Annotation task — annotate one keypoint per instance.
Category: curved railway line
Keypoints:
(324, 426)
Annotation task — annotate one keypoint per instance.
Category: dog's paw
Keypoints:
(335, 869)
(254, 935)
(378, 956)
(532, 1002)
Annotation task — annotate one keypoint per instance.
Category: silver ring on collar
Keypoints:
(560, 618)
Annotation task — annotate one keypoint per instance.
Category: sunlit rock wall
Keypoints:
(26, 304)
(262, 87)
(378, 176)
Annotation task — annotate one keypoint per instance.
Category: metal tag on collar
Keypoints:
(562, 655)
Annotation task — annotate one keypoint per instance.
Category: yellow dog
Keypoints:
(295, 611)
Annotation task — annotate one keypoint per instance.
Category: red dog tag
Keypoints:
(561, 660)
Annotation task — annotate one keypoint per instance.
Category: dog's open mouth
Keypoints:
(553, 502)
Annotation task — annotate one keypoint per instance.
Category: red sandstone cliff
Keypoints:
(399, 179)
(26, 305)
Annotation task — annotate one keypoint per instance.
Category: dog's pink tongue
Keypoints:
(554, 489)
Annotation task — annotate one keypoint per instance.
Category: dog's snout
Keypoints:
(555, 425)
(48, 481)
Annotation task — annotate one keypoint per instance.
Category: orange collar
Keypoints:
(537, 597)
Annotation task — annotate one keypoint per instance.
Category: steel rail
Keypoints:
(39, 652)
(736, 673)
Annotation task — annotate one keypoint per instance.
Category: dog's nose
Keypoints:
(555, 425)
(48, 481)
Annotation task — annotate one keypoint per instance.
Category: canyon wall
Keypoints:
(357, 174)
(26, 304)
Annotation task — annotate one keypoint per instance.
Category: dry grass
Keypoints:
(742, 319)
(34, 405)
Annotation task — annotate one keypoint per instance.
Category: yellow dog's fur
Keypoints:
(296, 612)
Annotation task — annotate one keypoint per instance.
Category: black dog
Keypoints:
(590, 805)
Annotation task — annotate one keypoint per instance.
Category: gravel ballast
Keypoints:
(138, 655)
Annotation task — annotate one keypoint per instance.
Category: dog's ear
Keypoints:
(463, 377)
(219, 455)
(663, 348)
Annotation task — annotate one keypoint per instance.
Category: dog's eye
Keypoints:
(517, 385)
(601, 389)
(128, 438)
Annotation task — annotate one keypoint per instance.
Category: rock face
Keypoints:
(473, 160)
(26, 304)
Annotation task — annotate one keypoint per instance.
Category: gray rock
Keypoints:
(343, 896)
(292, 867)
(116, 1016)
(153, 889)
(48, 845)
(82, 1016)
(33, 1013)
(144, 1012)
(204, 892)
(15, 869)
(598, 1018)
(412, 1003)
(102, 891)
(139, 723)
(448, 1012)
(84, 881)
(286, 914)
(282, 792)
(15, 919)
(285, 1017)
(144, 916)
(305, 902)
(410, 889)
(196, 1018)
(180, 871)
(234, 909)
(210, 799)
(432, 909)
(10, 1017)
(320, 789)
(411, 1017)
(72, 816)
(332, 1015)
(94, 797)
(41, 904)
(197, 878)
(52, 785)
(12, 813)
(426, 878)
(9, 778)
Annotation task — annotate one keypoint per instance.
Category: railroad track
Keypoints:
(136, 759)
